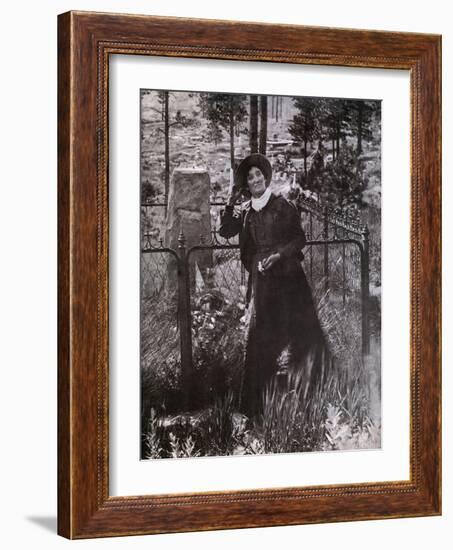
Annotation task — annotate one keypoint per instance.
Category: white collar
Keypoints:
(259, 203)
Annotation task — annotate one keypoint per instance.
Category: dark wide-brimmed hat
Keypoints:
(258, 160)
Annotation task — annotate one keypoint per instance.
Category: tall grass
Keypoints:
(219, 426)
(341, 411)
(282, 418)
(334, 414)
(215, 431)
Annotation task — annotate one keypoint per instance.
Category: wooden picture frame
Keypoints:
(85, 42)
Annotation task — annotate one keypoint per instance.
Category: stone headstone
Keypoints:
(189, 211)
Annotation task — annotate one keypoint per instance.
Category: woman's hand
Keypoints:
(235, 194)
(270, 261)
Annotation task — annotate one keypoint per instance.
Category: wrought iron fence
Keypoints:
(333, 264)
(179, 293)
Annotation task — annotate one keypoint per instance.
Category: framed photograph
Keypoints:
(249, 275)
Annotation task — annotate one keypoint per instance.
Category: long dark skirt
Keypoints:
(283, 331)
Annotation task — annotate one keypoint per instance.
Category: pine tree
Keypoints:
(361, 121)
(305, 126)
(253, 124)
(263, 124)
(169, 121)
(225, 111)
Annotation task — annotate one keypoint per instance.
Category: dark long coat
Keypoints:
(284, 326)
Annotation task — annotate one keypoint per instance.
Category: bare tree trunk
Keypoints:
(167, 150)
(253, 124)
(305, 159)
(263, 125)
(359, 129)
(231, 133)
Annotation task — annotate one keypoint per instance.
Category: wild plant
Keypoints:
(153, 437)
(219, 427)
(184, 448)
(282, 414)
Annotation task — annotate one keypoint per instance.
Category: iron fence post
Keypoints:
(184, 319)
(365, 267)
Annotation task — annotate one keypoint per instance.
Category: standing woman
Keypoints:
(283, 319)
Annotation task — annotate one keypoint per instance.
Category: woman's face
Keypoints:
(256, 182)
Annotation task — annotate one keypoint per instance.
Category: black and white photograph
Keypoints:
(260, 274)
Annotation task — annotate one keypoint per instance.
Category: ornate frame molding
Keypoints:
(86, 40)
